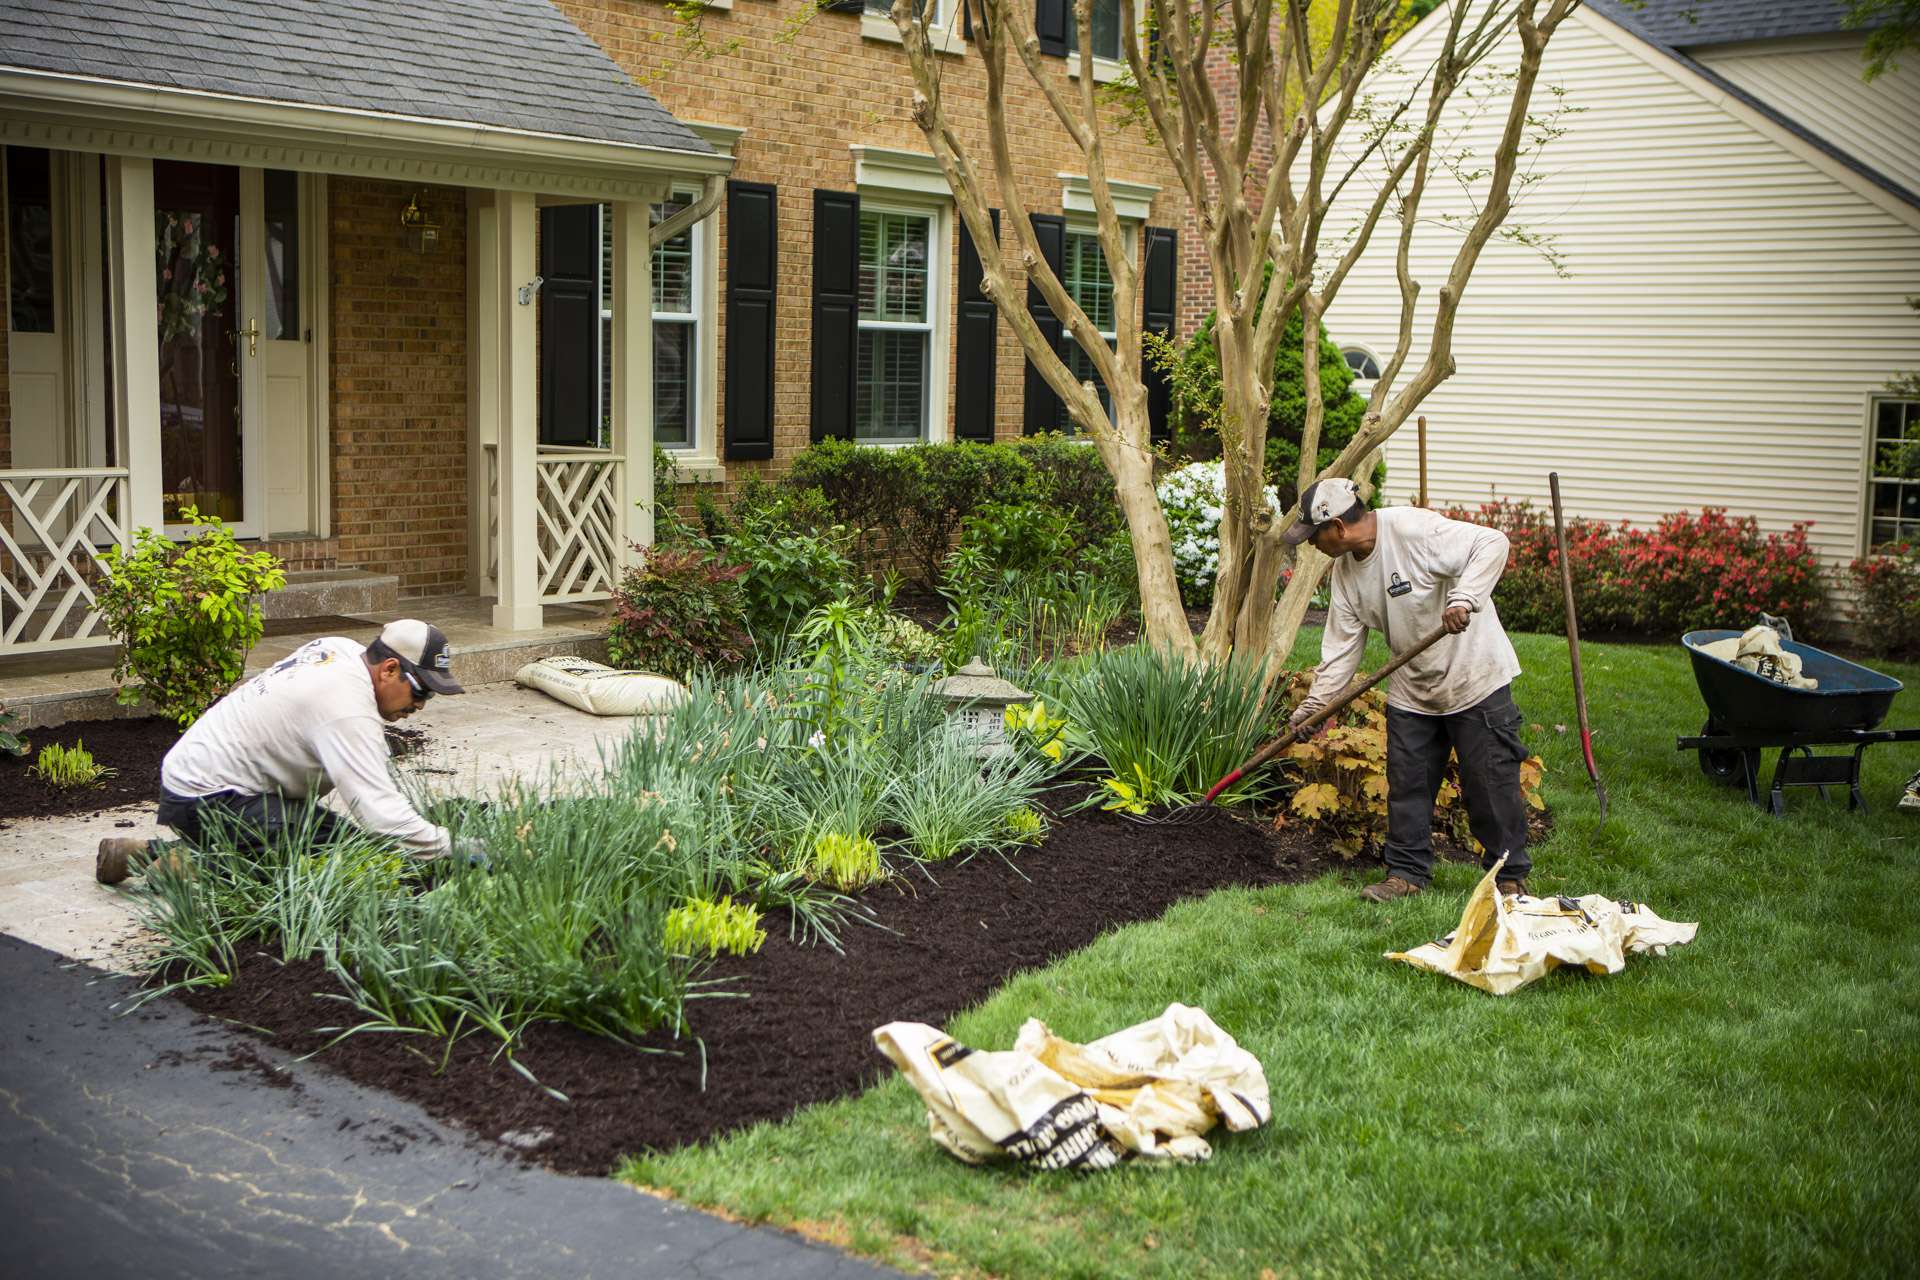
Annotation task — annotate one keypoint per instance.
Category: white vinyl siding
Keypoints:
(1732, 309)
(1817, 84)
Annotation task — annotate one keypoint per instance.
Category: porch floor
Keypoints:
(77, 684)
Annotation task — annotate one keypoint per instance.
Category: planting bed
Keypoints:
(803, 1035)
(132, 748)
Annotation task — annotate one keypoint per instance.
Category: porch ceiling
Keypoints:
(498, 93)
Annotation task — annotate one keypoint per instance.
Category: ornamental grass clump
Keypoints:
(1166, 729)
(844, 861)
(68, 768)
(949, 802)
(703, 927)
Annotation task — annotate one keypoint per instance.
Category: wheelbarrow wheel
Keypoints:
(1729, 768)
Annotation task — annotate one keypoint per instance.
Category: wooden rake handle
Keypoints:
(1320, 717)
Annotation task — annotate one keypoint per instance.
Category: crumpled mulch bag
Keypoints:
(601, 690)
(1758, 650)
(1149, 1091)
(1503, 943)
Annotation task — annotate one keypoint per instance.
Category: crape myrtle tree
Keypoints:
(1298, 75)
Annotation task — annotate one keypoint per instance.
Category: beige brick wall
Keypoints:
(398, 373)
(803, 102)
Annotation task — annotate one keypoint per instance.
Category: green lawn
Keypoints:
(1747, 1105)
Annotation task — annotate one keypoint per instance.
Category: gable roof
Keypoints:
(1658, 22)
(516, 65)
(1696, 24)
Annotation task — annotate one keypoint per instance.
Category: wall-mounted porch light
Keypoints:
(422, 228)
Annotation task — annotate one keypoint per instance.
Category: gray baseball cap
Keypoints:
(1324, 500)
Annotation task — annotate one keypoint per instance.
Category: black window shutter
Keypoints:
(1156, 308)
(836, 311)
(975, 354)
(569, 323)
(1043, 407)
(1050, 21)
(752, 271)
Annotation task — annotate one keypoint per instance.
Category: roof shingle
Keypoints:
(1695, 24)
(511, 64)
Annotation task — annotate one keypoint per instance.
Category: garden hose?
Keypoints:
(1305, 728)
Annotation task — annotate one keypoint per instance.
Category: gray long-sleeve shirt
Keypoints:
(1421, 564)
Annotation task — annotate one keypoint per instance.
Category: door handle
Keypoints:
(251, 333)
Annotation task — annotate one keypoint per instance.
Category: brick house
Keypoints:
(433, 280)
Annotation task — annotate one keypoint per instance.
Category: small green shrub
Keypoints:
(11, 743)
(1069, 477)
(789, 569)
(185, 616)
(68, 767)
(1888, 601)
(702, 927)
(677, 612)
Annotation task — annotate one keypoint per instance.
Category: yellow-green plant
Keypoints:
(185, 616)
(1132, 797)
(1026, 826)
(844, 861)
(702, 926)
(1342, 777)
(68, 767)
(1032, 726)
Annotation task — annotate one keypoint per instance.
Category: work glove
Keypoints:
(469, 851)
(1302, 714)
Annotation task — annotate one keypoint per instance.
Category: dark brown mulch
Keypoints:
(132, 748)
(804, 1034)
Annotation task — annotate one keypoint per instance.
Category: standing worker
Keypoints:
(1406, 572)
(256, 762)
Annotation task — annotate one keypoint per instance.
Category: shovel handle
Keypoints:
(1320, 717)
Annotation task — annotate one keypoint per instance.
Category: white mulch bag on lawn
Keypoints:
(1149, 1091)
(601, 690)
(1503, 943)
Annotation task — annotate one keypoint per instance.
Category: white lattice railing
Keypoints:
(578, 530)
(54, 525)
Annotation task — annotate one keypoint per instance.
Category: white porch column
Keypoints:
(483, 385)
(136, 336)
(632, 357)
(517, 606)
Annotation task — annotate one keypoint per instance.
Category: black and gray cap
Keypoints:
(423, 652)
(1324, 500)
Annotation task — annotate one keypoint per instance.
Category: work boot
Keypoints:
(114, 861)
(1389, 889)
(1510, 887)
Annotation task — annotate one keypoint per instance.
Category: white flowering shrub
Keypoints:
(1193, 497)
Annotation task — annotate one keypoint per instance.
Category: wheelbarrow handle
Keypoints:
(1320, 717)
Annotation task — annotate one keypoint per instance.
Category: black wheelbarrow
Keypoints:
(1748, 714)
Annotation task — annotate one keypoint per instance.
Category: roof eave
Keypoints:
(47, 108)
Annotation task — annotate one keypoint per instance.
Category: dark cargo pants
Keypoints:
(1486, 737)
(253, 823)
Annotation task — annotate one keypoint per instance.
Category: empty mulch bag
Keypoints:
(1504, 942)
(601, 690)
(1758, 649)
(1149, 1091)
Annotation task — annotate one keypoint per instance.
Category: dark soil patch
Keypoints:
(804, 1034)
(132, 748)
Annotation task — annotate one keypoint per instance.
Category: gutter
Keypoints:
(710, 192)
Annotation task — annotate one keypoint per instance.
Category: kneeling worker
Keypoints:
(1405, 572)
(256, 762)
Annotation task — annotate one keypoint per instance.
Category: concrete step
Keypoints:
(328, 593)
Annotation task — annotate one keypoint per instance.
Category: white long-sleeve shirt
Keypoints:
(304, 726)
(1421, 565)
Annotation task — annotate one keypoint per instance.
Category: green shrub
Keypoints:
(186, 616)
(1888, 601)
(677, 612)
(11, 743)
(1022, 538)
(790, 566)
(1070, 478)
(68, 767)
(1166, 728)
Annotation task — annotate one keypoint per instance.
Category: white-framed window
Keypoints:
(1893, 474)
(1089, 282)
(679, 282)
(1106, 29)
(1366, 369)
(940, 16)
(900, 309)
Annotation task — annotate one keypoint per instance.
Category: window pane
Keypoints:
(1106, 29)
(891, 397)
(283, 254)
(1896, 452)
(893, 267)
(673, 263)
(30, 239)
(885, 7)
(1082, 367)
(1088, 281)
(672, 384)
